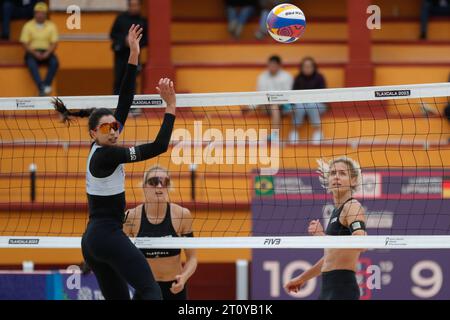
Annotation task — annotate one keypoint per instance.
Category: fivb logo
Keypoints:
(234, 146)
(272, 241)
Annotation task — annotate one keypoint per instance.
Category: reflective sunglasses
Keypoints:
(155, 181)
(105, 128)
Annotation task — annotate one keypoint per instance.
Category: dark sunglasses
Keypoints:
(155, 181)
(105, 128)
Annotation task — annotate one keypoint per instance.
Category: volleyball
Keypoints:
(286, 23)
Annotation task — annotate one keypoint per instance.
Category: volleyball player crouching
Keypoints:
(114, 259)
(157, 217)
(341, 177)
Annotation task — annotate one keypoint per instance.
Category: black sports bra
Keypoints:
(163, 229)
(335, 227)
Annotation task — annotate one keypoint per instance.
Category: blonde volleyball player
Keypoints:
(341, 177)
(157, 217)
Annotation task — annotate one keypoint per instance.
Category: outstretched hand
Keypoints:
(166, 90)
(134, 37)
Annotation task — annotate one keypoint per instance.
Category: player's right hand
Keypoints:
(134, 37)
(294, 285)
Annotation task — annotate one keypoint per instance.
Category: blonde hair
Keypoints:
(155, 167)
(324, 171)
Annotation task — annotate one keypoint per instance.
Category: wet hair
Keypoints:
(275, 59)
(94, 114)
(354, 168)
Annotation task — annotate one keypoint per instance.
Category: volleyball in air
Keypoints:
(286, 23)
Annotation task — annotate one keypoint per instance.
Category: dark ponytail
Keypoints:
(94, 114)
(66, 115)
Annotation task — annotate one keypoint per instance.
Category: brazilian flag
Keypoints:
(264, 186)
(446, 187)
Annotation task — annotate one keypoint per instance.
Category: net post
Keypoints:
(32, 169)
(193, 168)
(242, 280)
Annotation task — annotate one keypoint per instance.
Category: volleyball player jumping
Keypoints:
(114, 259)
(342, 177)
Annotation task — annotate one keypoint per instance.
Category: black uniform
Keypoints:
(163, 229)
(339, 284)
(114, 259)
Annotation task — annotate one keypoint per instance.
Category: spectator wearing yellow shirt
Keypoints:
(39, 37)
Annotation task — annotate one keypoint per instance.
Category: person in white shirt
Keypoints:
(275, 79)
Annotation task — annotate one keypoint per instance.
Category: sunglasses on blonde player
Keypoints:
(155, 181)
(105, 128)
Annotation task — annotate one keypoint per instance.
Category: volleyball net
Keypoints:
(247, 183)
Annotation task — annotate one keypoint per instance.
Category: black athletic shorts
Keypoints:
(166, 293)
(339, 285)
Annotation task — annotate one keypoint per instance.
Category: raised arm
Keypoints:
(161, 143)
(127, 88)
(108, 158)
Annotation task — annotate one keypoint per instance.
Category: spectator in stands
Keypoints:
(120, 45)
(238, 13)
(265, 6)
(15, 9)
(432, 8)
(275, 79)
(39, 37)
(308, 78)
